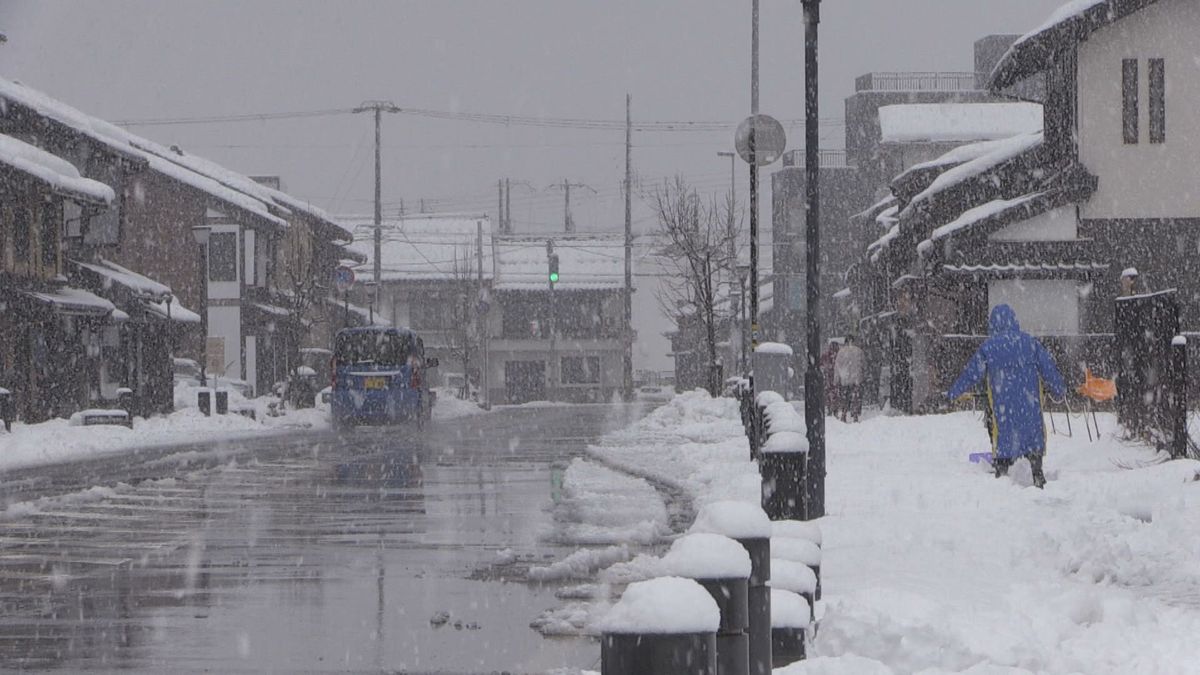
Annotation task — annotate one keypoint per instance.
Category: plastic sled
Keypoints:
(980, 457)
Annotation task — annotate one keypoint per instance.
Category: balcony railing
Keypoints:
(827, 159)
(950, 81)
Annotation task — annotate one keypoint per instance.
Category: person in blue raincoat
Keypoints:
(1013, 367)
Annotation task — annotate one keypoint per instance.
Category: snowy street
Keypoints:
(298, 552)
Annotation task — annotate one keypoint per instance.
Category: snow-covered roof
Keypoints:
(219, 182)
(1027, 267)
(875, 248)
(585, 262)
(998, 154)
(982, 212)
(113, 273)
(1072, 22)
(74, 301)
(949, 122)
(423, 247)
(55, 172)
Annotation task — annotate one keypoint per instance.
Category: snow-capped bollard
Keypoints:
(758, 424)
(792, 576)
(783, 464)
(1179, 387)
(790, 616)
(222, 399)
(798, 529)
(802, 551)
(666, 626)
(748, 525)
(722, 567)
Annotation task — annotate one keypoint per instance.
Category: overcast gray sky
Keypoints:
(680, 59)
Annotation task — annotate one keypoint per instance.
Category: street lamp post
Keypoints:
(814, 386)
(731, 233)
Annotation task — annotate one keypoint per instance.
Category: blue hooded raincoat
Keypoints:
(1015, 366)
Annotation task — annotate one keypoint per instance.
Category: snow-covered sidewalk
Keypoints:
(931, 565)
(58, 441)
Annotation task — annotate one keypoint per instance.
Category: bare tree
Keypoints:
(699, 257)
(303, 287)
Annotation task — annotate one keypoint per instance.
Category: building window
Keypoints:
(1158, 101)
(22, 233)
(581, 370)
(49, 232)
(1129, 100)
(222, 256)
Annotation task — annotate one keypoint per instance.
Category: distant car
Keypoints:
(379, 377)
(655, 393)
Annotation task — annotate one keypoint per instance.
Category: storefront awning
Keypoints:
(75, 302)
(136, 291)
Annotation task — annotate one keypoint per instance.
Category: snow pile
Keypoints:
(57, 440)
(666, 605)
(786, 442)
(707, 556)
(773, 348)
(581, 564)
(602, 506)
(739, 520)
(789, 610)
(449, 406)
(695, 444)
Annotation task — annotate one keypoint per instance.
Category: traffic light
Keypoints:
(553, 268)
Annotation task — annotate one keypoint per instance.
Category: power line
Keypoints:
(221, 119)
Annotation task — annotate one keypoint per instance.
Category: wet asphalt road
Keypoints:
(373, 551)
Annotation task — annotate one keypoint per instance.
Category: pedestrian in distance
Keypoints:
(848, 373)
(833, 401)
(1014, 368)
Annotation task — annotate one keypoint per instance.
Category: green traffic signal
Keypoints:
(553, 277)
(553, 268)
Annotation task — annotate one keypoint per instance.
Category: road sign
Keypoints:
(769, 139)
(343, 278)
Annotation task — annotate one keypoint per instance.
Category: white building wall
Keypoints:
(1043, 306)
(1142, 180)
(1060, 224)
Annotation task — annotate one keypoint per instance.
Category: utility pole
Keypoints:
(379, 107)
(814, 387)
(754, 330)
(566, 185)
(627, 380)
(552, 328)
(500, 206)
(481, 309)
(508, 228)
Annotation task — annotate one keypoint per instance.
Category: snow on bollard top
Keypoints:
(662, 606)
(738, 520)
(789, 610)
(792, 576)
(707, 556)
(797, 529)
(767, 397)
(773, 348)
(785, 442)
(1179, 341)
(798, 550)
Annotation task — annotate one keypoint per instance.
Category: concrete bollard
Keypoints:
(790, 617)
(783, 463)
(222, 398)
(204, 402)
(666, 626)
(802, 551)
(722, 567)
(8, 409)
(747, 524)
(1178, 398)
(792, 576)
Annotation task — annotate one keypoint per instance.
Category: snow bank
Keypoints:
(739, 520)
(449, 406)
(580, 564)
(667, 605)
(603, 506)
(789, 610)
(707, 556)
